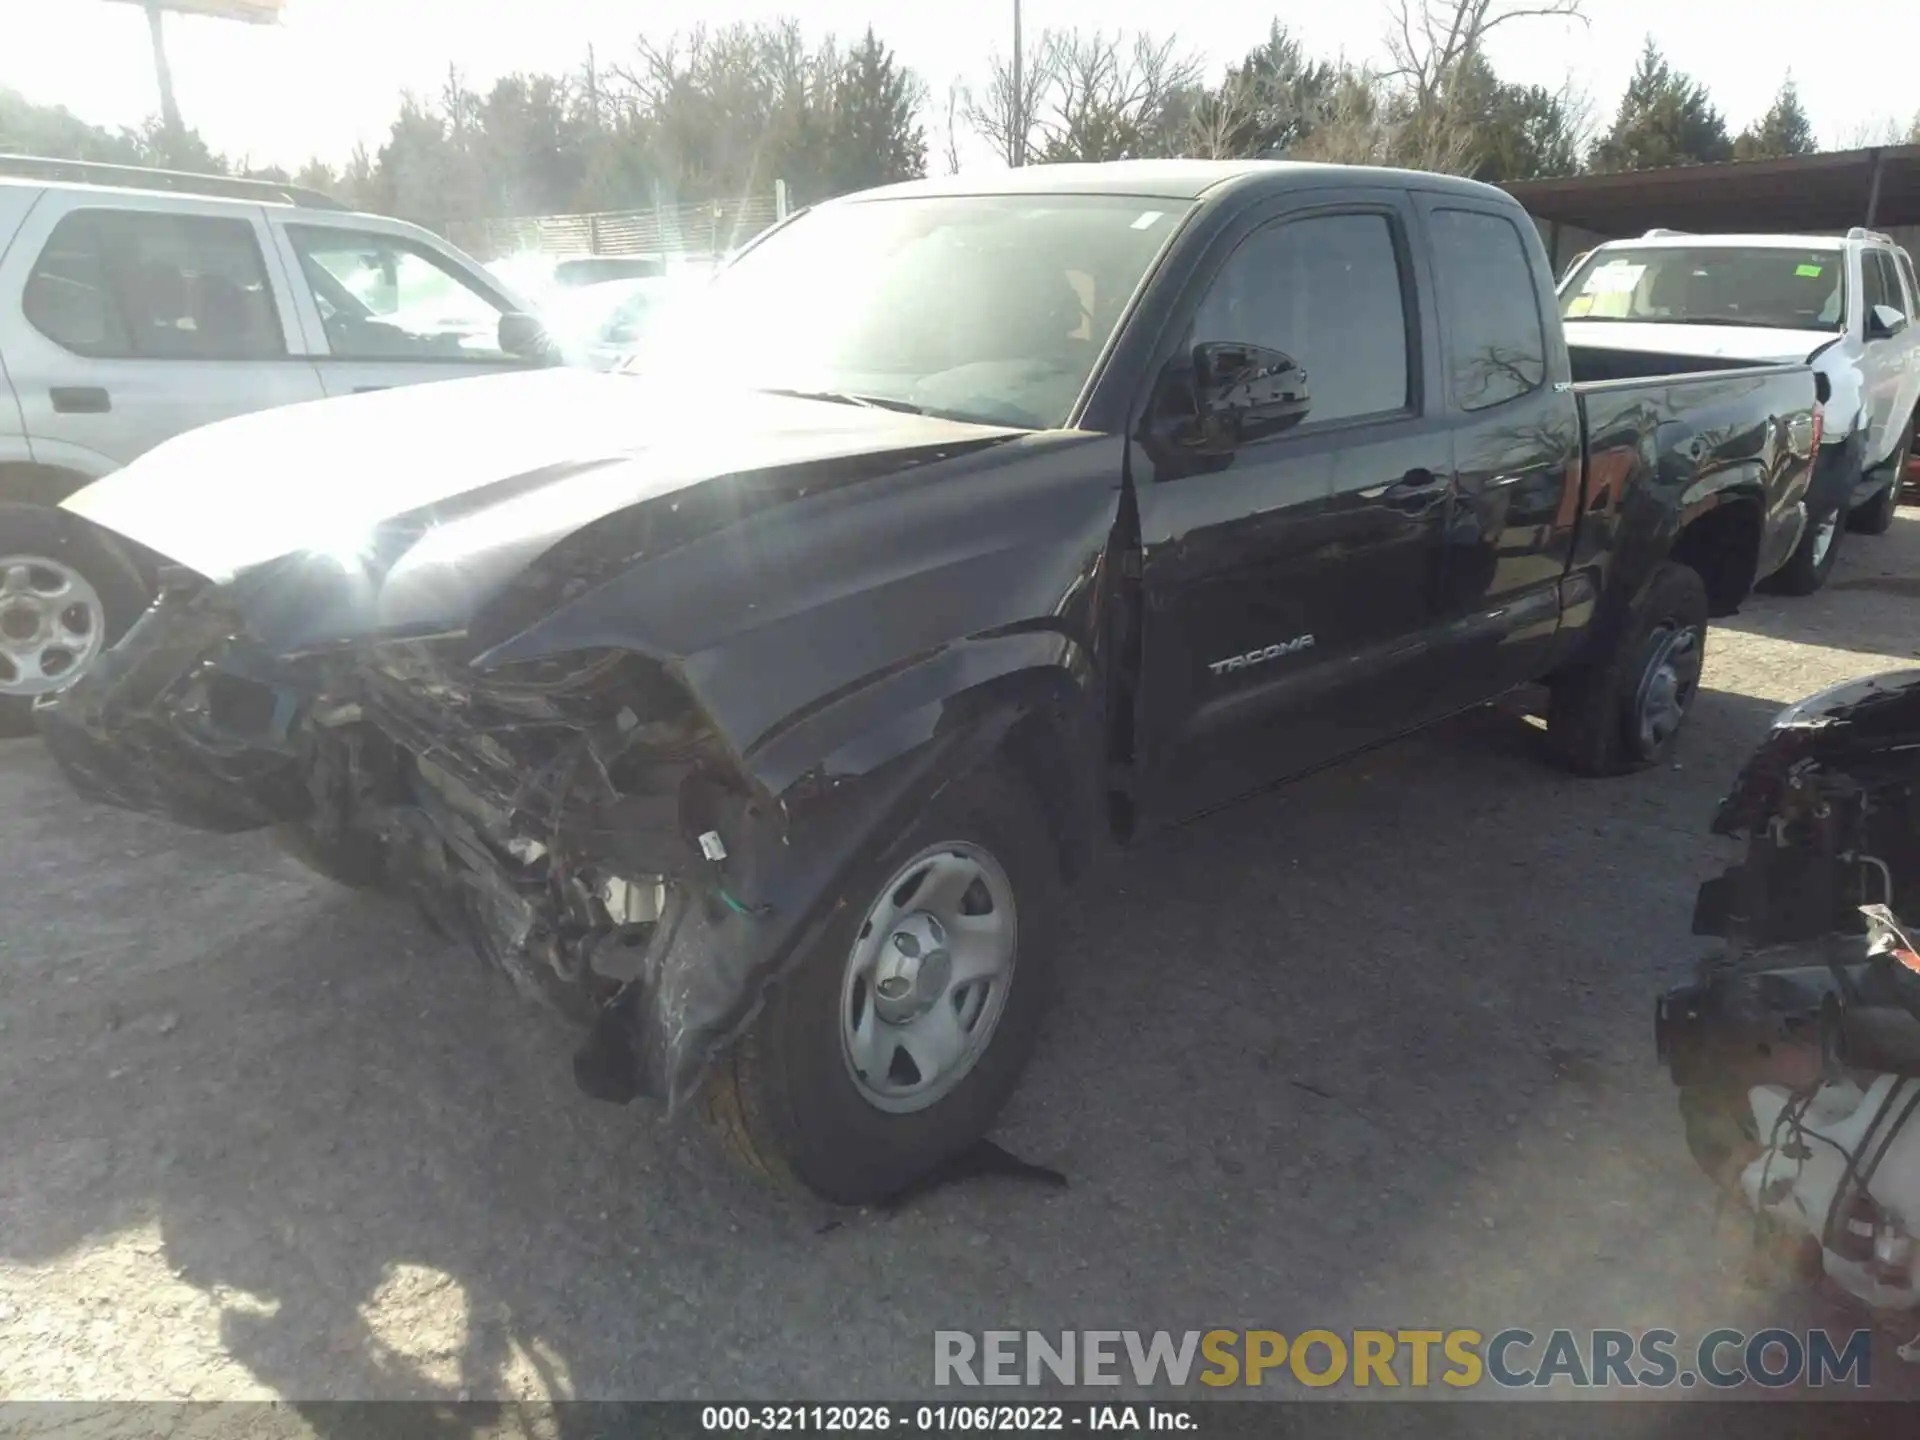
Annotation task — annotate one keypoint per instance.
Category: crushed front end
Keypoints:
(1796, 1048)
(576, 821)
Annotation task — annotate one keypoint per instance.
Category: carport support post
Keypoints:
(169, 111)
(1873, 188)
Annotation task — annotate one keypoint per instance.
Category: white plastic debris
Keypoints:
(712, 846)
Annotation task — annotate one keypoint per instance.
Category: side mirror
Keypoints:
(1245, 393)
(525, 336)
(1884, 322)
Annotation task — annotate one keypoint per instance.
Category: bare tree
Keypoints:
(950, 138)
(1108, 100)
(1088, 96)
(1426, 110)
(1429, 39)
(1002, 118)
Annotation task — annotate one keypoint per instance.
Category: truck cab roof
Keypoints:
(1178, 180)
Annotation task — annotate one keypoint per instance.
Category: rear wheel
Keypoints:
(1622, 709)
(899, 1035)
(65, 596)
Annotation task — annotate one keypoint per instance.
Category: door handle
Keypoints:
(1415, 490)
(369, 389)
(80, 400)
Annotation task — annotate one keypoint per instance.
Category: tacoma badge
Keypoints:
(1259, 657)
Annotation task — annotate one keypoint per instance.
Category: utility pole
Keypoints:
(169, 107)
(1016, 132)
(252, 12)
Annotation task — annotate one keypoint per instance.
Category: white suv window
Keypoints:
(1882, 286)
(1904, 265)
(382, 298)
(140, 285)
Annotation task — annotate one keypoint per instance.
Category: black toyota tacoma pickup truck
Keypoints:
(753, 708)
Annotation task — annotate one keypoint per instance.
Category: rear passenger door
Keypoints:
(1893, 364)
(1290, 586)
(1516, 447)
(384, 309)
(135, 324)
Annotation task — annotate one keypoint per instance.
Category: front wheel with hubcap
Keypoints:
(898, 1036)
(65, 596)
(1622, 708)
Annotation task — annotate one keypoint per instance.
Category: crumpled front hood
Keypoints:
(421, 503)
(316, 476)
(1733, 342)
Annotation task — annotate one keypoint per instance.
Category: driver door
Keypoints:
(384, 309)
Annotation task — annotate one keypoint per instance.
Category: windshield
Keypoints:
(984, 308)
(1778, 287)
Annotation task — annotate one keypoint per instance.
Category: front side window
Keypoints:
(1325, 290)
(381, 298)
(989, 308)
(1882, 281)
(1496, 346)
(1773, 287)
(145, 285)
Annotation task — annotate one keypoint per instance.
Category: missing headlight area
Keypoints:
(550, 815)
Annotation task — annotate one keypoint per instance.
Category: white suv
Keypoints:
(138, 304)
(1848, 304)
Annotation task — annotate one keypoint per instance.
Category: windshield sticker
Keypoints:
(1579, 305)
(1810, 272)
(1145, 222)
(1617, 277)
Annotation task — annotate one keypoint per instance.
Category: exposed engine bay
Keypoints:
(576, 821)
(1797, 1048)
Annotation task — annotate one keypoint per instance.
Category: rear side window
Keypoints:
(1327, 291)
(135, 285)
(1496, 346)
(1904, 263)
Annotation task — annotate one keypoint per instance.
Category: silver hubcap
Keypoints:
(927, 978)
(1667, 686)
(1823, 537)
(52, 624)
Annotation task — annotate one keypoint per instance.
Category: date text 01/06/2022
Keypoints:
(941, 1419)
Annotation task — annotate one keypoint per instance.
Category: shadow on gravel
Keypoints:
(1876, 582)
(1371, 1050)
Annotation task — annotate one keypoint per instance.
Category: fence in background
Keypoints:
(698, 229)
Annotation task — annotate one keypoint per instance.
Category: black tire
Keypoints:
(1807, 571)
(783, 1102)
(1596, 710)
(1876, 516)
(32, 531)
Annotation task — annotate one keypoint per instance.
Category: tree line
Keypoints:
(722, 112)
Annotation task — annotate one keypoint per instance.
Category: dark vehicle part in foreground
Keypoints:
(753, 708)
(1797, 1051)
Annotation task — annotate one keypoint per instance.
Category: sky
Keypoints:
(331, 74)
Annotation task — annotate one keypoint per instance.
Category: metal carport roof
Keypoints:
(1878, 187)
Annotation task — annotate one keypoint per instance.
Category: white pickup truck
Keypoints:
(1847, 304)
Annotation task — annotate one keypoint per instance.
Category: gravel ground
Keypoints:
(1373, 1050)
